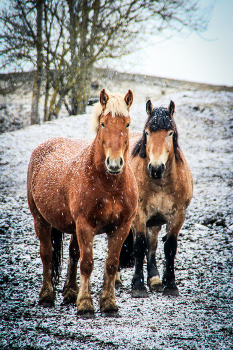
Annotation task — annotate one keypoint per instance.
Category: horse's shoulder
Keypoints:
(184, 179)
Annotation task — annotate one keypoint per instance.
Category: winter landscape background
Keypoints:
(201, 317)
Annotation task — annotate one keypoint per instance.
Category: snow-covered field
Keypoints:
(201, 318)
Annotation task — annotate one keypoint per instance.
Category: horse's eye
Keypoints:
(103, 125)
(146, 133)
(127, 125)
(171, 133)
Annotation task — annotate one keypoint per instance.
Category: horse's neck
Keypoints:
(108, 181)
(170, 174)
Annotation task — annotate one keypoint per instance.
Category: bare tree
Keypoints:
(76, 34)
(21, 43)
(35, 117)
(110, 29)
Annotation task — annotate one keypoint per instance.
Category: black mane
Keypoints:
(159, 119)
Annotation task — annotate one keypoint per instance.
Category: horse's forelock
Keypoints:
(116, 105)
(160, 119)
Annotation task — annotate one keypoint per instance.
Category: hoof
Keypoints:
(70, 294)
(86, 315)
(85, 307)
(70, 297)
(46, 297)
(108, 306)
(155, 284)
(171, 291)
(140, 293)
(118, 281)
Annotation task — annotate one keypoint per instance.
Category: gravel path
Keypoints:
(200, 318)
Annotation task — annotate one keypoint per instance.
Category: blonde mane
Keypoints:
(115, 105)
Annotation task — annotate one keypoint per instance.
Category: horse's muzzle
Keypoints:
(156, 172)
(114, 166)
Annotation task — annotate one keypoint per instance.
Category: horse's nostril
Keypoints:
(162, 168)
(149, 166)
(108, 160)
(121, 161)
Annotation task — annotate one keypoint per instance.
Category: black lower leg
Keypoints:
(140, 247)
(152, 266)
(170, 247)
(126, 256)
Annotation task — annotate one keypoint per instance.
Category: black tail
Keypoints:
(56, 238)
(127, 256)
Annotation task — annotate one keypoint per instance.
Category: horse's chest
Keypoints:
(161, 204)
(108, 213)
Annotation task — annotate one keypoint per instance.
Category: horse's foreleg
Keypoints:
(170, 247)
(85, 241)
(43, 231)
(118, 280)
(153, 280)
(70, 290)
(115, 242)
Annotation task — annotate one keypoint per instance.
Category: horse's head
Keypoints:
(113, 128)
(160, 139)
(160, 134)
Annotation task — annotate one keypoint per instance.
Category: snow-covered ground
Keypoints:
(201, 318)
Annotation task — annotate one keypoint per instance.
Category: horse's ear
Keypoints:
(171, 108)
(129, 98)
(149, 107)
(103, 98)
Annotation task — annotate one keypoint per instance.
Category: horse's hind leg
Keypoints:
(153, 280)
(126, 258)
(140, 249)
(70, 290)
(43, 231)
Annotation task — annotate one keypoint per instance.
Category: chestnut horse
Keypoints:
(84, 189)
(165, 188)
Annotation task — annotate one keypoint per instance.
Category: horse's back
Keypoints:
(56, 150)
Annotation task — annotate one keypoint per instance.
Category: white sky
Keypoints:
(194, 58)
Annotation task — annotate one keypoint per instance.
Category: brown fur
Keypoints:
(70, 188)
(161, 200)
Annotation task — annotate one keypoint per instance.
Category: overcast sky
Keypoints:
(207, 58)
(194, 58)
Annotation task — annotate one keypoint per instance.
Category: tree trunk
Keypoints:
(35, 117)
(72, 32)
(46, 96)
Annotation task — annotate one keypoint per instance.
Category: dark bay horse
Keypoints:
(84, 188)
(165, 188)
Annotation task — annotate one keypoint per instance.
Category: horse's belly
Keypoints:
(55, 210)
